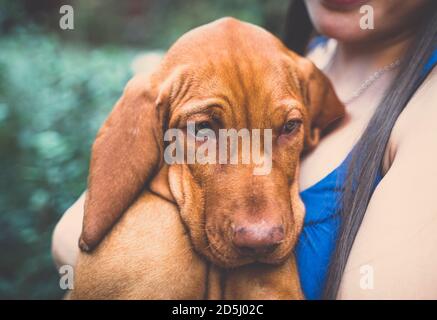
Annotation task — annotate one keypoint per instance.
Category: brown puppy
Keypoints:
(224, 75)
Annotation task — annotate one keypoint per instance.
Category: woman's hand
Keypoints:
(65, 238)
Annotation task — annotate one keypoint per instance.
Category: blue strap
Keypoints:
(432, 62)
(316, 41)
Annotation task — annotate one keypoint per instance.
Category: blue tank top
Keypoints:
(321, 225)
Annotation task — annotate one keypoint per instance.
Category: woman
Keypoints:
(382, 156)
(370, 182)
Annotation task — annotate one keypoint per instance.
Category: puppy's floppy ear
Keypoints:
(126, 154)
(324, 107)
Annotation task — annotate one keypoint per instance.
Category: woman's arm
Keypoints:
(395, 253)
(66, 234)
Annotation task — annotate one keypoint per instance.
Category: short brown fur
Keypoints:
(176, 240)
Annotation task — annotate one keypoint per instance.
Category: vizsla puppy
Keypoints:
(195, 231)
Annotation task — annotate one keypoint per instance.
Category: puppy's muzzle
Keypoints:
(257, 239)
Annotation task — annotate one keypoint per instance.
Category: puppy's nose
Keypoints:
(258, 238)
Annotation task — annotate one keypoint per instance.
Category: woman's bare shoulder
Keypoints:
(398, 234)
(417, 121)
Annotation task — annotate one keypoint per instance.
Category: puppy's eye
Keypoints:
(202, 125)
(290, 126)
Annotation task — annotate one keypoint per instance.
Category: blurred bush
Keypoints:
(139, 23)
(53, 98)
(56, 88)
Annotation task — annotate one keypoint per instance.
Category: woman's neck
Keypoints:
(353, 64)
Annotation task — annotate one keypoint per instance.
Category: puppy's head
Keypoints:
(227, 82)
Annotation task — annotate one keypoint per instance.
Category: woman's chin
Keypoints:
(343, 5)
(343, 26)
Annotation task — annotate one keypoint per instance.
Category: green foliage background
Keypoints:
(56, 88)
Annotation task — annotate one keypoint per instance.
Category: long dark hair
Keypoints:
(367, 155)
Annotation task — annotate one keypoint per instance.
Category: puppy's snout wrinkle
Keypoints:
(257, 239)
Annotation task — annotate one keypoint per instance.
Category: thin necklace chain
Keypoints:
(369, 81)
